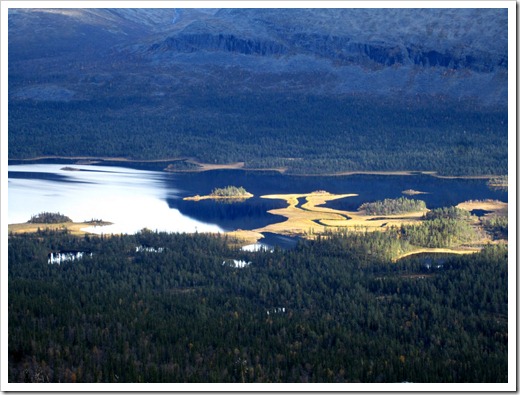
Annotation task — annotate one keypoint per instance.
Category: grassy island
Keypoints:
(229, 192)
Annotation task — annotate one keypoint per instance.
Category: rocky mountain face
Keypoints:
(70, 54)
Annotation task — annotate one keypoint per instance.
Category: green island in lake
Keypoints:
(376, 142)
(230, 192)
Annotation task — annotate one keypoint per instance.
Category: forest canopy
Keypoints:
(158, 307)
(299, 133)
(49, 218)
(393, 206)
(230, 191)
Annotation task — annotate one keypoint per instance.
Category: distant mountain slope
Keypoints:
(459, 53)
(233, 84)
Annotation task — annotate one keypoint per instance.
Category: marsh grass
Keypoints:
(311, 218)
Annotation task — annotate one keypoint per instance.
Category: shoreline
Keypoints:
(75, 228)
(241, 166)
(433, 250)
(311, 219)
(196, 198)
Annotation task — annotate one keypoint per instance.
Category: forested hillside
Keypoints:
(306, 134)
(156, 307)
(307, 90)
(298, 90)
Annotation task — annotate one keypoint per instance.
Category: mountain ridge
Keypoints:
(364, 44)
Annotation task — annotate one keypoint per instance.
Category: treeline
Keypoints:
(448, 213)
(370, 246)
(443, 228)
(330, 310)
(496, 226)
(49, 218)
(498, 183)
(305, 134)
(393, 206)
(440, 233)
(446, 227)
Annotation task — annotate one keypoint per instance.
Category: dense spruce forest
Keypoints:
(347, 133)
(158, 307)
(49, 218)
(290, 93)
(229, 191)
(393, 206)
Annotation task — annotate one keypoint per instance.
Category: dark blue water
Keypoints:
(251, 213)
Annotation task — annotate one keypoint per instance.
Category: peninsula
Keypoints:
(54, 222)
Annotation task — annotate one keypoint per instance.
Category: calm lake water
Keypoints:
(134, 199)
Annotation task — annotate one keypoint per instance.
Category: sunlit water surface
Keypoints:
(130, 199)
(137, 198)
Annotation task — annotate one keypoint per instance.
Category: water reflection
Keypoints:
(130, 199)
(240, 264)
(270, 241)
(249, 214)
(134, 199)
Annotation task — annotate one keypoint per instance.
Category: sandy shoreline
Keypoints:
(237, 198)
(75, 228)
(311, 218)
(201, 166)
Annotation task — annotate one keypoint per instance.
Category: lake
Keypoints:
(133, 198)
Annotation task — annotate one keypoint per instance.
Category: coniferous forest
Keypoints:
(347, 134)
(49, 218)
(393, 206)
(158, 307)
(318, 92)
